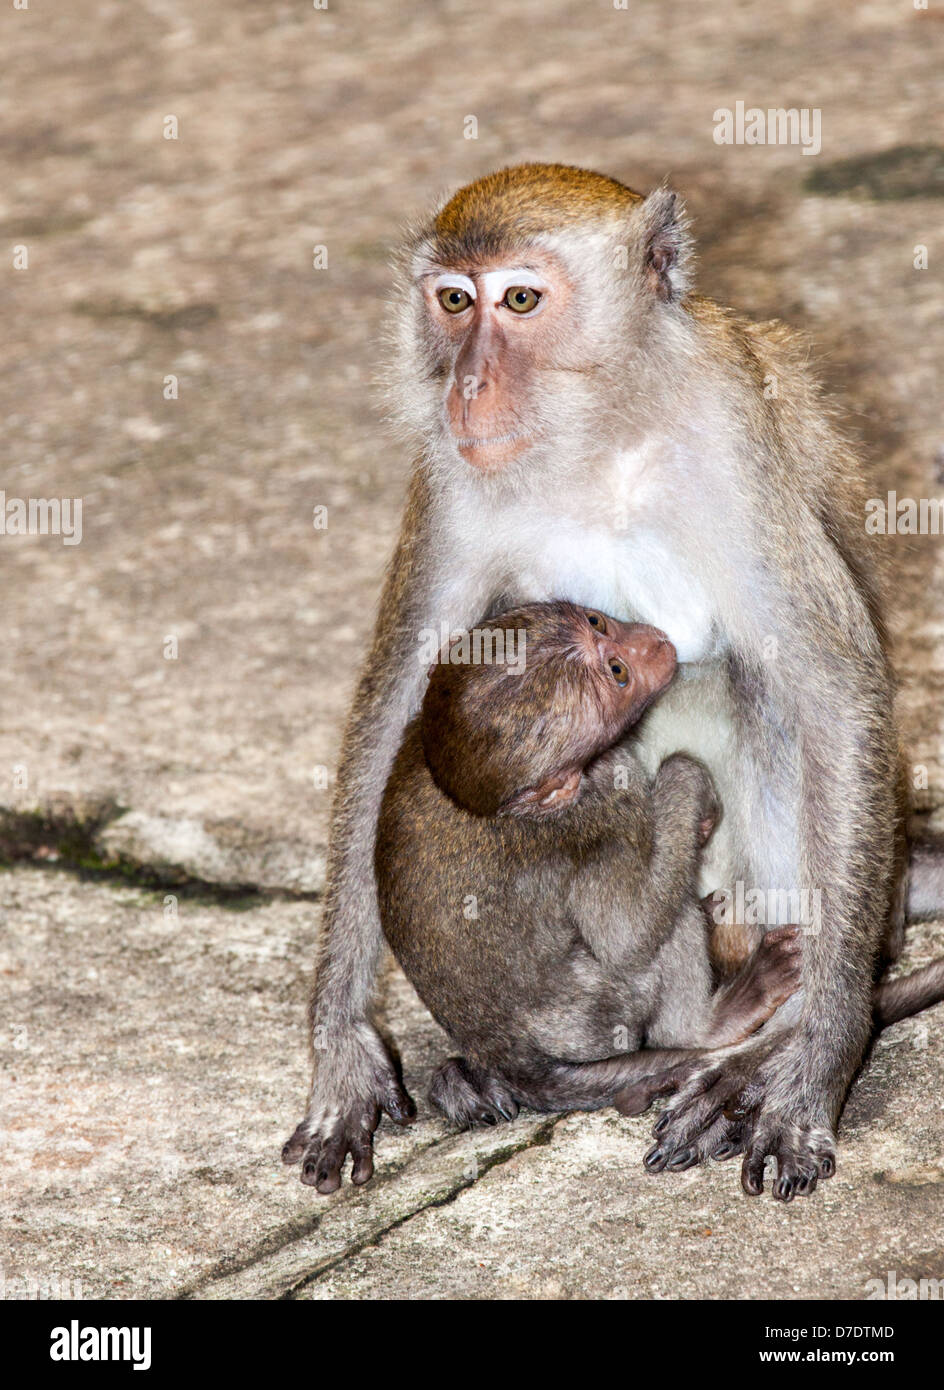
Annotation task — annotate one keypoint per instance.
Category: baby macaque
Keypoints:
(539, 892)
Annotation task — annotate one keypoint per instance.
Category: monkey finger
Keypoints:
(321, 1167)
(362, 1158)
(797, 1165)
(399, 1105)
(294, 1147)
(806, 1182)
(788, 1176)
(824, 1158)
(752, 1169)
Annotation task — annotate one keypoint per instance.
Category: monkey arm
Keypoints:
(830, 694)
(354, 1075)
(626, 904)
(846, 852)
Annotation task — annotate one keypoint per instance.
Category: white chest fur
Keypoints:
(621, 548)
(636, 543)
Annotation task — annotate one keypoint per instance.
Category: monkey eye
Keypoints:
(619, 672)
(454, 300)
(596, 620)
(521, 299)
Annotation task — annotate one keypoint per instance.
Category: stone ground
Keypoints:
(153, 1049)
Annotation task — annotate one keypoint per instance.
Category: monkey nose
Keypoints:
(643, 640)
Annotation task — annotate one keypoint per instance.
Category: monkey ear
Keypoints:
(548, 797)
(667, 244)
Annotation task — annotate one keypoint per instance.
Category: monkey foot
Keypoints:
(767, 980)
(638, 1096)
(722, 1112)
(468, 1096)
(329, 1132)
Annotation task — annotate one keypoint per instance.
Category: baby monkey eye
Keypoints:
(454, 300)
(596, 620)
(620, 673)
(521, 298)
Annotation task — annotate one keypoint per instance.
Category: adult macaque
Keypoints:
(586, 426)
(540, 896)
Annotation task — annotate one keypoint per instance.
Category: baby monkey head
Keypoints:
(514, 739)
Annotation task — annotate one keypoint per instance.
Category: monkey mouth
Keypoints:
(484, 441)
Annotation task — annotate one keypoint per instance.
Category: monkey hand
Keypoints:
(741, 1102)
(685, 778)
(353, 1083)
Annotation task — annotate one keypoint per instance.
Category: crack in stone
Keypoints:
(540, 1136)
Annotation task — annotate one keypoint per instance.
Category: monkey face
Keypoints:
(506, 742)
(498, 327)
(630, 664)
(525, 323)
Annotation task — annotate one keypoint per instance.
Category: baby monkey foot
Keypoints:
(468, 1096)
(765, 982)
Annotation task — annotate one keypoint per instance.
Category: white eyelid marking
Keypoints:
(454, 281)
(496, 283)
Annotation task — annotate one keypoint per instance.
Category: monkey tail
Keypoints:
(901, 998)
(926, 881)
(630, 1080)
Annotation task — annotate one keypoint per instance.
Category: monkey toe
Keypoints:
(633, 1100)
(484, 1115)
(802, 1157)
(697, 1110)
(712, 1116)
(321, 1166)
(722, 1138)
(294, 1147)
(498, 1097)
(468, 1097)
(398, 1103)
(680, 1161)
(768, 979)
(636, 1098)
(362, 1159)
(780, 960)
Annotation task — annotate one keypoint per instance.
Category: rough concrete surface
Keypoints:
(153, 1062)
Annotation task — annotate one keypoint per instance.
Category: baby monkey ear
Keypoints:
(556, 792)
